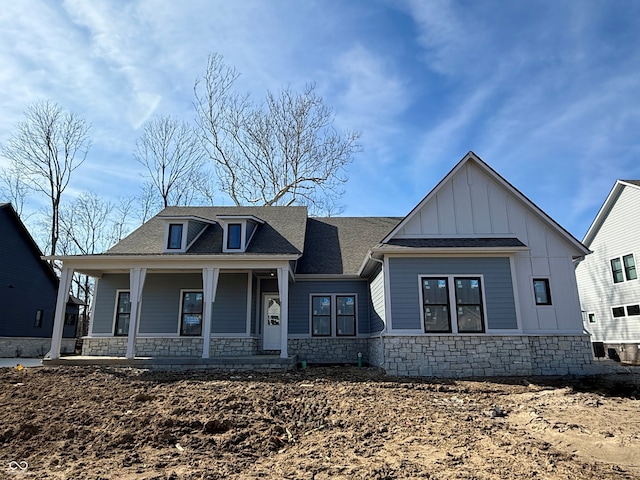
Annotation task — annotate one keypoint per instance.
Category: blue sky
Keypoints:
(546, 92)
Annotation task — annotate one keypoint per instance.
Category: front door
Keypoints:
(271, 322)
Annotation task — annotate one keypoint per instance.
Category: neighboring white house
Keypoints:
(608, 280)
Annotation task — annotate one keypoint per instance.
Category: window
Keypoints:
(321, 316)
(38, 321)
(439, 317)
(333, 313)
(70, 318)
(541, 291)
(174, 241)
(633, 310)
(435, 294)
(617, 312)
(629, 267)
(346, 315)
(234, 236)
(624, 267)
(123, 313)
(592, 317)
(191, 321)
(469, 305)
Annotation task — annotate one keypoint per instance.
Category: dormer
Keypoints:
(180, 232)
(237, 231)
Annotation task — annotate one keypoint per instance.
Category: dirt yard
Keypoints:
(331, 422)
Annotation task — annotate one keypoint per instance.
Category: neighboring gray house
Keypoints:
(28, 287)
(608, 280)
(475, 280)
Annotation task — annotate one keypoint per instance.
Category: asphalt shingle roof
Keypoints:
(283, 231)
(339, 245)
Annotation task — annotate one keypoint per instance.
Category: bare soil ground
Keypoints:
(330, 422)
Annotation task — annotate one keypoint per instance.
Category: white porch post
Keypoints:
(61, 306)
(209, 287)
(136, 284)
(283, 289)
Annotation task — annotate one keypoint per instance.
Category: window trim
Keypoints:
(547, 282)
(620, 307)
(624, 270)
(116, 313)
(180, 313)
(590, 316)
(183, 240)
(333, 314)
(632, 305)
(453, 312)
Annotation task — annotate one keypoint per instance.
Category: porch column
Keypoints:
(136, 284)
(209, 287)
(283, 290)
(61, 305)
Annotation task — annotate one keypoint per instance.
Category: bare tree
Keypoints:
(13, 188)
(283, 152)
(46, 148)
(171, 152)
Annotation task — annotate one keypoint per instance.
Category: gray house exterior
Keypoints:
(476, 280)
(28, 287)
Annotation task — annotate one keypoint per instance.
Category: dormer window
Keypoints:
(175, 236)
(234, 236)
(237, 231)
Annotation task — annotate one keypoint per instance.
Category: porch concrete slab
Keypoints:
(25, 362)
(184, 363)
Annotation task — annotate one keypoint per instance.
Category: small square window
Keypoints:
(175, 236)
(542, 291)
(617, 312)
(70, 318)
(38, 320)
(592, 318)
(633, 310)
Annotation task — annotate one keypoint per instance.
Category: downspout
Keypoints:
(384, 330)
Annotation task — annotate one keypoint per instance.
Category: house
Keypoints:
(475, 280)
(28, 287)
(607, 279)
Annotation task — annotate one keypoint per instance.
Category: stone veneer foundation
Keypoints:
(329, 350)
(482, 355)
(169, 347)
(32, 346)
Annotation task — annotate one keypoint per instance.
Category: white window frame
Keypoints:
(453, 311)
(333, 314)
(624, 270)
(183, 242)
(595, 317)
(182, 292)
(624, 310)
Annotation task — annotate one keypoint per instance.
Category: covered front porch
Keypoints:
(162, 309)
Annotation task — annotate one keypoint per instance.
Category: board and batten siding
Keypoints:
(376, 289)
(619, 235)
(474, 204)
(500, 311)
(160, 309)
(300, 295)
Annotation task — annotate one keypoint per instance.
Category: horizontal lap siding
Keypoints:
(405, 294)
(160, 311)
(106, 301)
(230, 306)
(377, 302)
(300, 294)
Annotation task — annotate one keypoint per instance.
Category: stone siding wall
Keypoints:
(627, 352)
(329, 350)
(485, 355)
(169, 347)
(31, 346)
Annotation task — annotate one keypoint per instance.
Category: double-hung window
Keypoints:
(623, 268)
(191, 314)
(452, 304)
(333, 313)
(123, 314)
